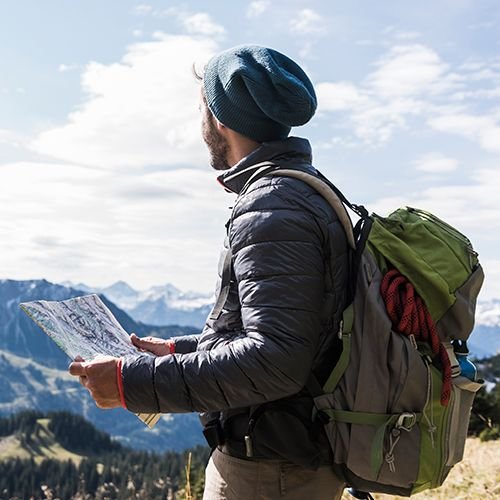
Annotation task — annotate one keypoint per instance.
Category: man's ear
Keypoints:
(220, 126)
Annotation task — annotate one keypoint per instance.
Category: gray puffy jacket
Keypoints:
(286, 291)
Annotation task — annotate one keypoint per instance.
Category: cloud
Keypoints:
(395, 91)
(407, 35)
(493, 93)
(408, 70)
(482, 26)
(65, 68)
(396, 34)
(371, 118)
(5, 135)
(411, 81)
(308, 22)
(436, 163)
(46, 241)
(193, 23)
(202, 24)
(11, 137)
(463, 205)
(341, 96)
(88, 224)
(257, 8)
(143, 9)
(491, 286)
(140, 111)
(483, 129)
(471, 207)
(483, 78)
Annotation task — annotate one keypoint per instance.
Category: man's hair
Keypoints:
(196, 73)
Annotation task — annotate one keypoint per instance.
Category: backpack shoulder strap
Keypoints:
(322, 185)
(326, 192)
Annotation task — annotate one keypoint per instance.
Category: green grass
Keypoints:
(41, 446)
(476, 477)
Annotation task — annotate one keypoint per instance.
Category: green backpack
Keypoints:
(396, 408)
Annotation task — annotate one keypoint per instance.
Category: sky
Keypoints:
(103, 173)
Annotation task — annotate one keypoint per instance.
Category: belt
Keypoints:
(235, 449)
(229, 434)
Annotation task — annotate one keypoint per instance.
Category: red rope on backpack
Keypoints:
(410, 316)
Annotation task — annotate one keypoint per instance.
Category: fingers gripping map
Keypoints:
(84, 326)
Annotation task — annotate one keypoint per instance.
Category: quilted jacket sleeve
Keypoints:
(186, 343)
(279, 268)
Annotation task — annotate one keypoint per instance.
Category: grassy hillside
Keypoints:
(69, 456)
(27, 384)
(64, 455)
(41, 444)
(476, 477)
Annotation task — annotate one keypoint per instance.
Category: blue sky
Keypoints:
(103, 175)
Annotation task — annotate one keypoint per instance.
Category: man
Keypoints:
(280, 296)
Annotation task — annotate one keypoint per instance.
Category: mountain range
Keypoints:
(158, 305)
(167, 305)
(34, 370)
(62, 455)
(34, 373)
(485, 339)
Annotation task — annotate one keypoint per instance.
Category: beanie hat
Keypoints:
(258, 92)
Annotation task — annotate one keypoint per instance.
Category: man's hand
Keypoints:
(99, 377)
(157, 346)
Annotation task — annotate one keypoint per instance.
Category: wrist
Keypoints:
(119, 382)
(170, 344)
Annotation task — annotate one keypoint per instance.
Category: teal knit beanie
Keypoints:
(258, 92)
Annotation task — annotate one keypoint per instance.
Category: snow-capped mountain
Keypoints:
(34, 374)
(33, 371)
(158, 305)
(21, 336)
(167, 305)
(485, 339)
(488, 313)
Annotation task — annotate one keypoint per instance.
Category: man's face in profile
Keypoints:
(217, 145)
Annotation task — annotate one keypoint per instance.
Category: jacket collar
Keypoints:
(293, 150)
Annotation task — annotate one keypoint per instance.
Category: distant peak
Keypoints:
(121, 285)
(119, 288)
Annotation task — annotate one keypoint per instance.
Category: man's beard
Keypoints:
(217, 145)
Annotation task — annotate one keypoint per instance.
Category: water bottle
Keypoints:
(467, 367)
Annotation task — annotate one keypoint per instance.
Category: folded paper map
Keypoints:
(84, 327)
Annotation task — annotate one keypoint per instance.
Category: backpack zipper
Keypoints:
(454, 233)
(445, 226)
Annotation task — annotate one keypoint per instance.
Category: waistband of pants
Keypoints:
(235, 449)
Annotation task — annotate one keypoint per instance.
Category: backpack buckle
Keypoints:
(406, 421)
